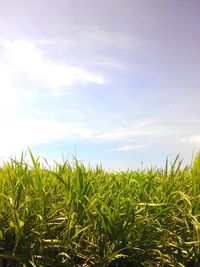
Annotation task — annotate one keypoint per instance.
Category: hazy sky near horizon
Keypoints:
(114, 82)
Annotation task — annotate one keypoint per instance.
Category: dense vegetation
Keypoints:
(69, 215)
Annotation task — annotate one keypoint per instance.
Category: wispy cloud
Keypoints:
(127, 148)
(143, 127)
(8, 94)
(193, 139)
(26, 57)
(20, 132)
(111, 64)
(17, 133)
(101, 37)
(96, 37)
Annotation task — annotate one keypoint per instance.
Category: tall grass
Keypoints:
(69, 215)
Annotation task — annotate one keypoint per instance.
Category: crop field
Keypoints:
(70, 215)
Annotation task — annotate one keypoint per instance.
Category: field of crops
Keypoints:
(70, 215)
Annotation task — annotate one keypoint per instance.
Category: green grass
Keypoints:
(69, 215)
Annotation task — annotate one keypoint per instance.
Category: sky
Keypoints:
(112, 82)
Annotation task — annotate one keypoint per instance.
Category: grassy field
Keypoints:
(69, 215)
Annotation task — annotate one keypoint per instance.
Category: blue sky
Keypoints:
(114, 82)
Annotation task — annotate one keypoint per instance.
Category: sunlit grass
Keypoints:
(70, 215)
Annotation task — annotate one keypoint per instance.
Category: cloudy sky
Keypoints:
(114, 82)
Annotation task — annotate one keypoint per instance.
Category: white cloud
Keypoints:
(121, 134)
(112, 64)
(25, 57)
(18, 133)
(98, 36)
(195, 139)
(192, 139)
(127, 148)
(8, 94)
(143, 127)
